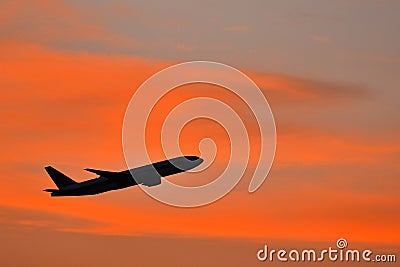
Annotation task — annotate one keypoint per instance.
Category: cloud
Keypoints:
(320, 39)
(59, 25)
(66, 108)
(186, 47)
(43, 247)
(39, 219)
(286, 89)
(237, 29)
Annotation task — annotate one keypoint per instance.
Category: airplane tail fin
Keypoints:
(60, 179)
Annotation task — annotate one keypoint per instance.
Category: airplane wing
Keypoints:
(100, 172)
(107, 174)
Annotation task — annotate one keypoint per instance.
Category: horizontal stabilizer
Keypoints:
(50, 190)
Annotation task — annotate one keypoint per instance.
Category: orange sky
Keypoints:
(335, 173)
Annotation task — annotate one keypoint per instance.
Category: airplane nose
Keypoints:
(192, 158)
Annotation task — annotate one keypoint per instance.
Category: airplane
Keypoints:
(148, 175)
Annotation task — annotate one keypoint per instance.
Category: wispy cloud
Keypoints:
(286, 89)
(59, 25)
(241, 28)
(186, 47)
(320, 39)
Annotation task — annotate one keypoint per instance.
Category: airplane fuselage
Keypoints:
(95, 186)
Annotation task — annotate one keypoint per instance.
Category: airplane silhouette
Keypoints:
(148, 175)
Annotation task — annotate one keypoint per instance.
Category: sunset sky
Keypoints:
(329, 70)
